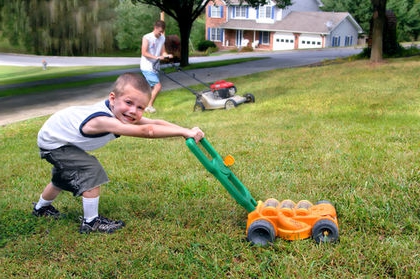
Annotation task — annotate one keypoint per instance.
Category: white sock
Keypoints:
(42, 203)
(90, 208)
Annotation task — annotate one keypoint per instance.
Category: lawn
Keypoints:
(348, 133)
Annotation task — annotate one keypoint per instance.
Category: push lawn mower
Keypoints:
(272, 218)
(218, 95)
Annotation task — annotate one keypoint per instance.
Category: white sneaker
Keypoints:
(150, 110)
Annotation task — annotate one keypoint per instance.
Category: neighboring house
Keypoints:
(301, 25)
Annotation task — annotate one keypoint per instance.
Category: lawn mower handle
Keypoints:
(217, 167)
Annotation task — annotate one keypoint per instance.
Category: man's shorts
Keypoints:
(151, 77)
(74, 170)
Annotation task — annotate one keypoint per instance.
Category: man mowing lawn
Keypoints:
(67, 135)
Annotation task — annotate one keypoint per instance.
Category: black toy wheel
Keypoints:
(261, 232)
(199, 106)
(249, 98)
(325, 231)
(230, 104)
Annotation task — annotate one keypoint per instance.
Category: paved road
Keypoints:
(24, 107)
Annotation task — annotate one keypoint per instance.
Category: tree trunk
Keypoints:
(379, 17)
(185, 31)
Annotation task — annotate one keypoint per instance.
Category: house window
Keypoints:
(240, 11)
(215, 34)
(265, 38)
(216, 11)
(335, 41)
(348, 41)
(264, 12)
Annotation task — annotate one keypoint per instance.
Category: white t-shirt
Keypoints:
(154, 48)
(65, 127)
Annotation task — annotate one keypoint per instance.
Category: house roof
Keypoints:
(299, 22)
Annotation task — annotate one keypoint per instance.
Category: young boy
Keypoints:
(67, 135)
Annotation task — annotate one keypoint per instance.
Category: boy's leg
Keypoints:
(155, 91)
(43, 207)
(92, 221)
(90, 204)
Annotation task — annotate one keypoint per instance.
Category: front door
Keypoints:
(239, 37)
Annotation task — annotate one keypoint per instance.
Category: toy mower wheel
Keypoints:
(325, 231)
(261, 232)
(230, 104)
(198, 106)
(249, 98)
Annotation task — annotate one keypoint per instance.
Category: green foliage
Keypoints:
(204, 45)
(346, 132)
(198, 32)
(406, 11)
(60, 27)
(130, 24)
(408, 26)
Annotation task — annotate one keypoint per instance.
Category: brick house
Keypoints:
(299, 26)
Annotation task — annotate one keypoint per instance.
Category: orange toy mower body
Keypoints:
(292, 221)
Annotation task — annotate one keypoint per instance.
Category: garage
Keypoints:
(310, 41)
(283, 41)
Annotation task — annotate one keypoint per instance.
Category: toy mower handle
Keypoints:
(215, 165)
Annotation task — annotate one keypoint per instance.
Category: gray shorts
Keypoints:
(74, 170)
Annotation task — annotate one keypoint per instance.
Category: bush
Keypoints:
(204, 45)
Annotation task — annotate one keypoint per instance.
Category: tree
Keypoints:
(379, 20)
(185, 12)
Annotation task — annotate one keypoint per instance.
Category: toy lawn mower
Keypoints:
(272, 218)
(218, 95)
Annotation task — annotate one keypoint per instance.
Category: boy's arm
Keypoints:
(147, 128)
(145, 120)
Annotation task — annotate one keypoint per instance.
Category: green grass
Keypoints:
(348, 133)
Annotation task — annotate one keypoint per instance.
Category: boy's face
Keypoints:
(158, 31)
(129, 106)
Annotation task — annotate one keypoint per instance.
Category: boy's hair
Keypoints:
(161, 24)
(134, 79)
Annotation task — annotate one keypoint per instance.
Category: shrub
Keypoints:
(204, 45)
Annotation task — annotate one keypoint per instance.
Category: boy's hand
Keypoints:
(196, 133)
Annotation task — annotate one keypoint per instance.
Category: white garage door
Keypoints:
(310, 41)
(283, 41)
